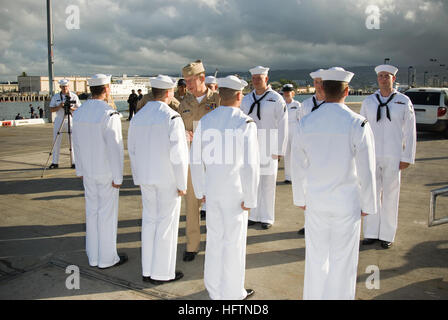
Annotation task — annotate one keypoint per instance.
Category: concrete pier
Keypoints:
(42, 231)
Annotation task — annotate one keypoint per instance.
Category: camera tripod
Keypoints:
(67, 114)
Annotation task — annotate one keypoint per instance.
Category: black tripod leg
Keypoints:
(52, 148)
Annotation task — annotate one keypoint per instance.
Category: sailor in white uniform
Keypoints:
(333, 178)
(159, 160)
(98, 146)
(391, 116)
(313, 103)
(268, 109)
(225, 171)
(294, 112)
(211, 83)
(57, 105)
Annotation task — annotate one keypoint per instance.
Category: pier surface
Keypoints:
(42, 231)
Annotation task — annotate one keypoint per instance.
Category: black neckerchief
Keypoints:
(257, 103)
(378, 112)
(316, 106)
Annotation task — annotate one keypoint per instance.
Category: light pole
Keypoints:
(386, 60)
(409, 76)
(424, 78)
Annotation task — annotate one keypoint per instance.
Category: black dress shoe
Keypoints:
(368, 241)
(266, 225)
(189, 256)
(250, 292)
(123, 258)
(179, 275)
(53, 166)
(287, 181)
(203, 212)
(73, 166)
(386, 244)
(251, 223)
(301, 231)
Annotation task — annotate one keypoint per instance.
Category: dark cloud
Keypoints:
(160, 36)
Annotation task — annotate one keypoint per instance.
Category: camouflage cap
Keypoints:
(193, 69)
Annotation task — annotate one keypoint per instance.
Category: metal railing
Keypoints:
(432, 221)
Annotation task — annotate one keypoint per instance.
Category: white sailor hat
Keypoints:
(288, 87)
(316, 74)
(232, 82)
(337, 74)
(63, 82)
(210, 79)
(162, 82)
(386, 67)
(259, 70)
(99, 79)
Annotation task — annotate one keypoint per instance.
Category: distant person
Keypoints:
(211, 83)
(181, 90)
(57, 105)
(18, 117)
(392, 118)
(294, 108)
(140, 95)
(132, 101)
(31, 110)
(41, 112)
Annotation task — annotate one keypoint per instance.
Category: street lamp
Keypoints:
(386, 60)
(409, 76)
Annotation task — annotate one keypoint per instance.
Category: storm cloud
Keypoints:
(161, 36)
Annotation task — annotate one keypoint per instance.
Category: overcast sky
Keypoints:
(161, 36)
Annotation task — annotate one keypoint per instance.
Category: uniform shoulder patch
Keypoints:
(175, 116)
(364, 123)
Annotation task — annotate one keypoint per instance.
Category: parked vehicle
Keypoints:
(431, 108)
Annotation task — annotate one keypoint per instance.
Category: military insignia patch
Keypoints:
(211, 106)
(399, 102)
(186, 111)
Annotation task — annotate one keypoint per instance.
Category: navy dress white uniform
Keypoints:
(271, 117)
(311, 103)
(394, 130)
(225, 169)
(333, 175)
(159, 160)
(56, 100)
(294, 114)
(98, 146)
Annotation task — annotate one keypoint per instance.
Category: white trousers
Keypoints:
(101, 222)
(383, 225)
(331, 258)
(287, 158)
(225, 252)
(265, 210)
(160, 224)
(58, 138)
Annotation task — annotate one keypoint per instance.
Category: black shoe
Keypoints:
(266, 225)
(250, 222)
(53, 166)
(250, 292)
(386, 244)
(287, 181)
(301, 231)
(73, 166)
(368, 241)
(203, 212)
(179, 275)
(189, 256)
(123, 258)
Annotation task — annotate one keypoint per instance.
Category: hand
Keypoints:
(116, 186)
(275, 157)
(243, 207)
(404, 165)
(203, 199)
(189, 135)
(181, 193)
(363, 214)
(302, 207)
